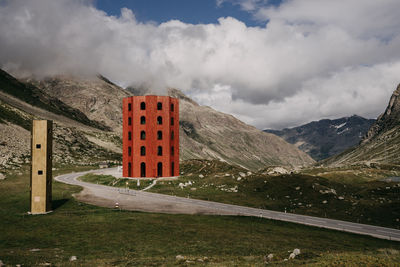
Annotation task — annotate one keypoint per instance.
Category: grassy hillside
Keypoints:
(11, 115)
(358, 195)
(107, 237)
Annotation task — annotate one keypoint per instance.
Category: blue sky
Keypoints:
(188, 11)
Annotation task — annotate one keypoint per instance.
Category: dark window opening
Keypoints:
(159, 120)
(129, 121)
(129, 151)
(142, 151)
(142, 169)
(172, 169)
(159, 169)
(159, 135)
(172, 107)
(40, 172)
(159, 106)
(129, 169)
(172, 151)
(142, 105)
(159, 151)
(142, 135)
(172, 121)
(129, 106)
(129, 136)
(172, 135)
(38, 145)
(143, 120)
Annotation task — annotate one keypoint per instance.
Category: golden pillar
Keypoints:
(41, 168)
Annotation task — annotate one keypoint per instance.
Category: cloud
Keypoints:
(313, 59)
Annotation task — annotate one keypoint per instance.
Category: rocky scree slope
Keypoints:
(208, 134)
(99, 99)
(382, 141)
(325, 138)
(77, 139)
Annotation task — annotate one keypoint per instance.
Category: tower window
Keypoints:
(38, 146)
(172, 150)
(143, 106)
(159, 120)
(142, 169)
(159, 151)
(172, 120)
(172, 135)
(129, 121)
(40, 172)
(142, 135)
(159, 135)
(129, 106)
(172, 107)
(143, 120)
(142, 151)
(129, 151)
(159, 106)
(159, 169)
(129, 136)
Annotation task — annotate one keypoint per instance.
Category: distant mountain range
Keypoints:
(325, 138)
(381, 143)
(88, 124)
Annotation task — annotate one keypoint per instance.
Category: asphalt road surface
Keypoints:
(129, 199)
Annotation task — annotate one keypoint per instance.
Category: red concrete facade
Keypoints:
(150, 136)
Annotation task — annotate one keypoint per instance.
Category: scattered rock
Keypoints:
(73, 258)
(285, 260)
(325, 201)
(179, 258)
(292, 256)
(270, 256)
(227, 174)
(200, 260)
(249, 173)
(193, 189)
(34, 249)
(201, 175)
(189, 262)
(278, 170)
(242, 174)
(328, 191)
(341, 198)
(2, 176)
(296, 251)
(239, 178)
(298, 188)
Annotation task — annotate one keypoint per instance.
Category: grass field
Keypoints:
(106, 237)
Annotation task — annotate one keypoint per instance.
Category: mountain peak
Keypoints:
(387, 120)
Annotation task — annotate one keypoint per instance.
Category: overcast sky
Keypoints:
(272, 64)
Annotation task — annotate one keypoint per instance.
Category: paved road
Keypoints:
(145, 201)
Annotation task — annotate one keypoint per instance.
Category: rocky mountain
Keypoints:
(325, 138)
(382, 141)
(204, 132)
(78, 139)
(99, 99)
(209, 134)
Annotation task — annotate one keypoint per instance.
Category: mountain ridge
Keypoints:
(325, 138)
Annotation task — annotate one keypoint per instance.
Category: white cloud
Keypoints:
(314, 59)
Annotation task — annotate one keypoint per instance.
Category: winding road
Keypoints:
(129, 199)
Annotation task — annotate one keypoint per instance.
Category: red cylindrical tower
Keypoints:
(150, 136)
